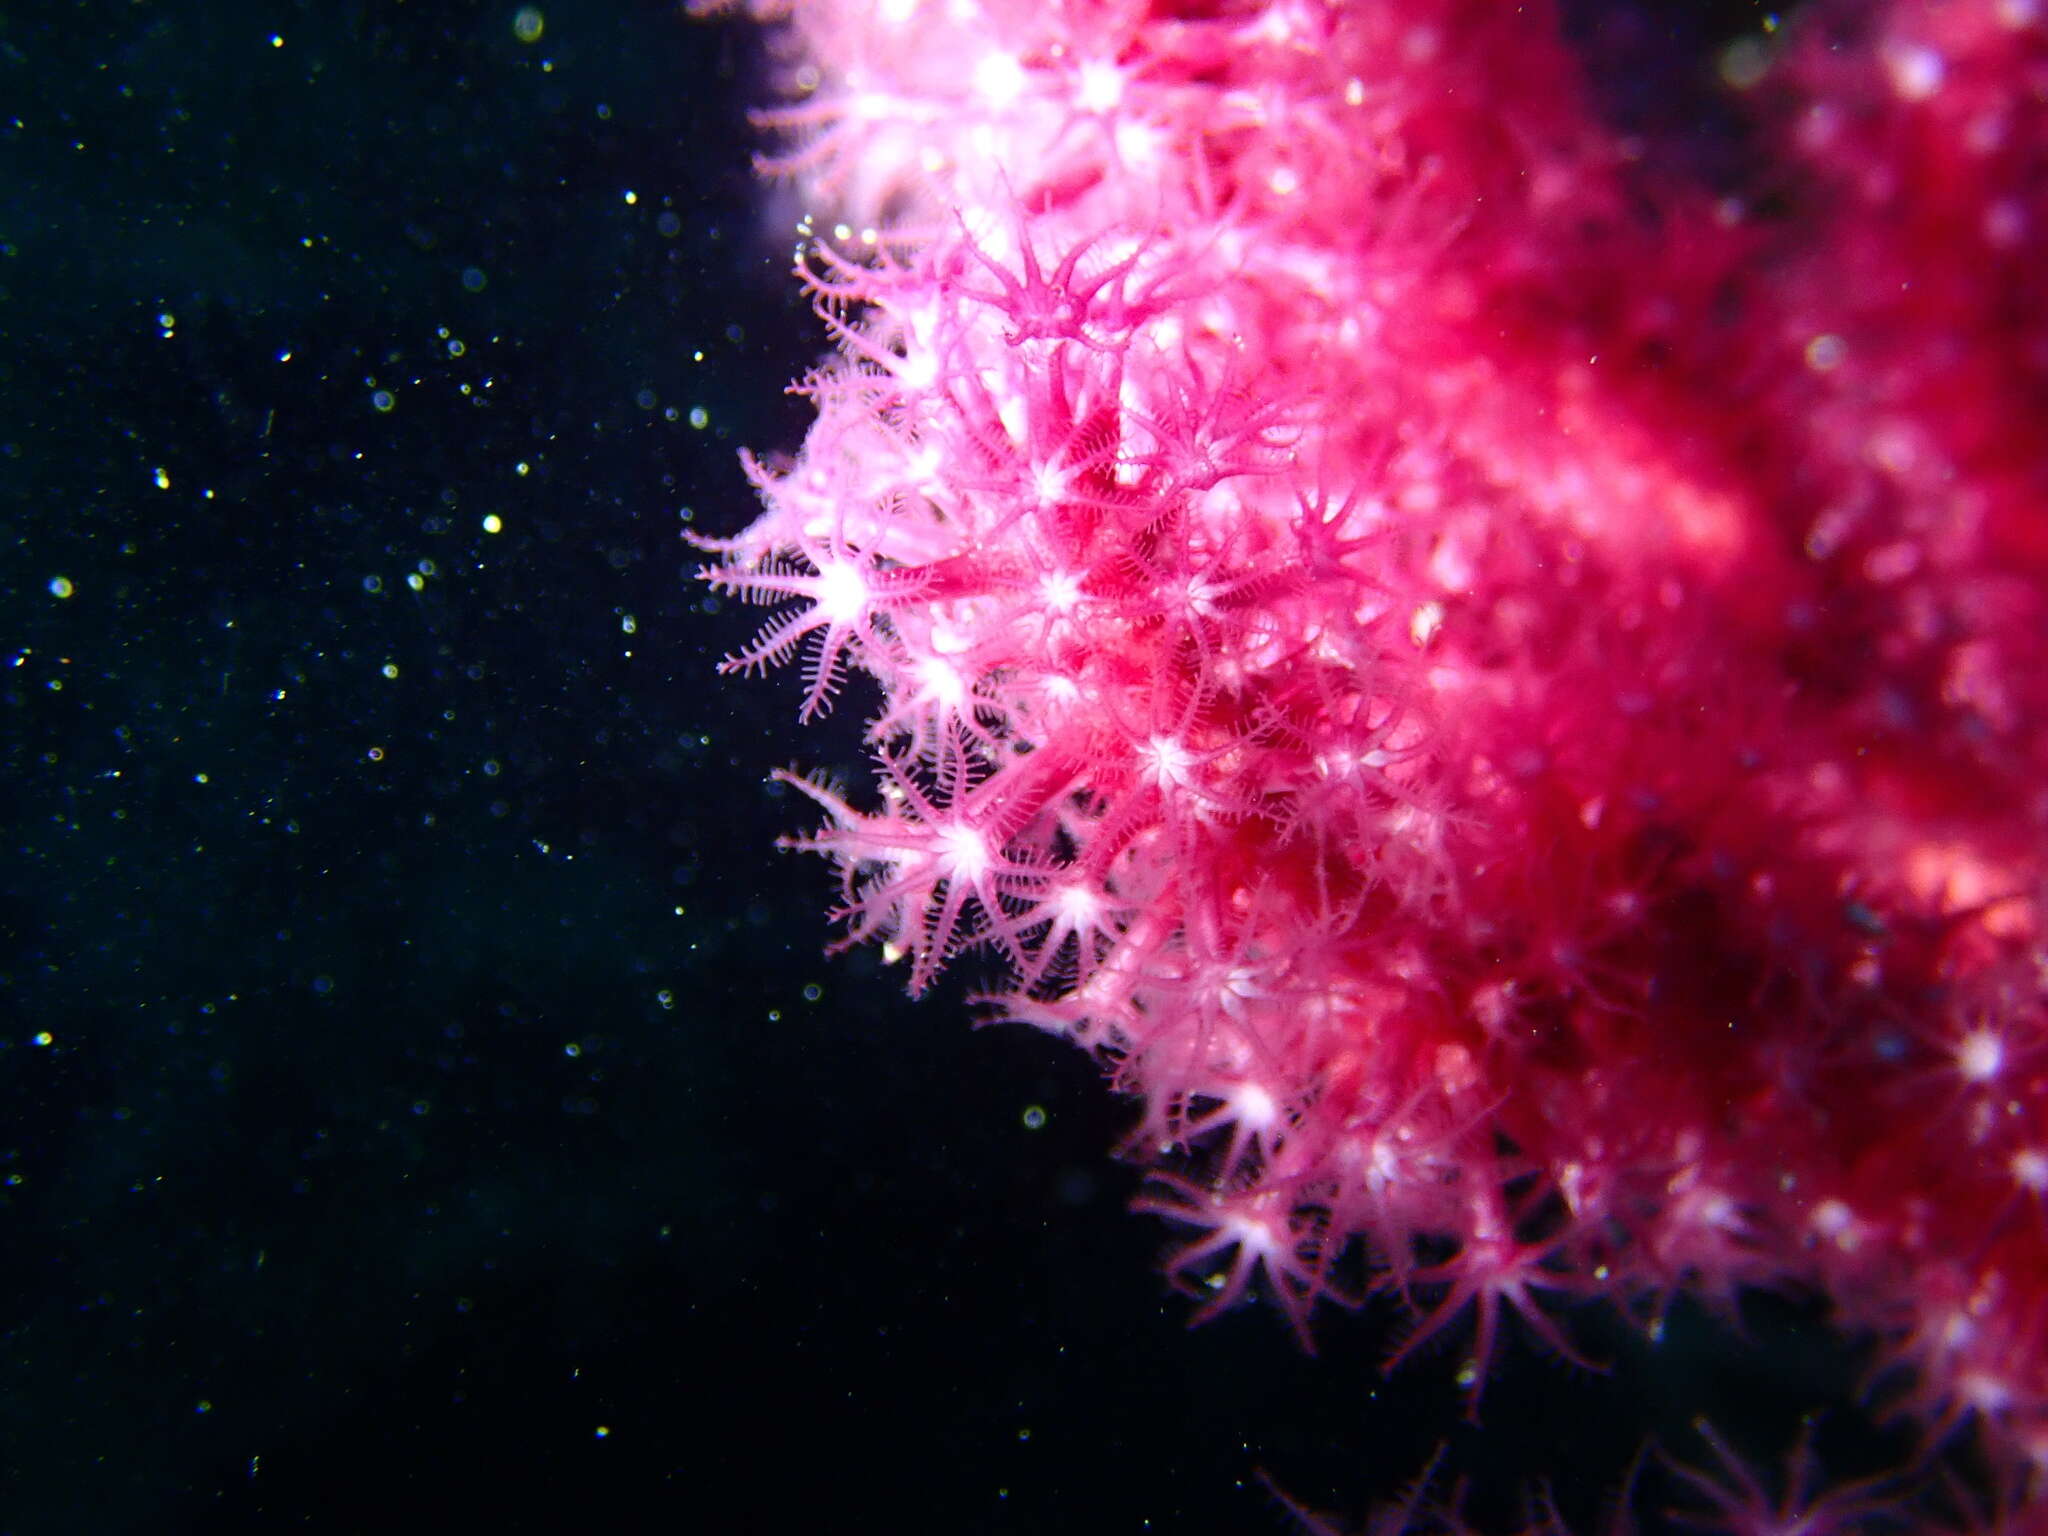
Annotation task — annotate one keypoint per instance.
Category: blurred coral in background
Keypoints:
(1499, 686)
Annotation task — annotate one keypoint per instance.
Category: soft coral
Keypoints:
(1454, 681)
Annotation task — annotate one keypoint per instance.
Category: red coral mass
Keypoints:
(1500, 689)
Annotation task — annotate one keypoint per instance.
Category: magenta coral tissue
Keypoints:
(1500, 688)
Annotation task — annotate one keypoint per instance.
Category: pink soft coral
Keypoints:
(1477, 679)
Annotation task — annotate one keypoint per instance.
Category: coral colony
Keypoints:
(1498, 682)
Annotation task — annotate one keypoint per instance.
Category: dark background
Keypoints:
(422, 1096)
